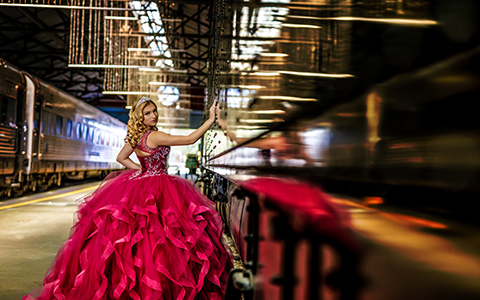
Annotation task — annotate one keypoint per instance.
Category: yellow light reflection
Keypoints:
(287, 98)
(375, 20)
(310, 74)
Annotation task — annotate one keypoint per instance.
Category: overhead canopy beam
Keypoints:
(39, 23)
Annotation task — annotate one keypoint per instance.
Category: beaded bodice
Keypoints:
(153, 164)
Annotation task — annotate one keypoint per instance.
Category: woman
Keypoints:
(143, 234)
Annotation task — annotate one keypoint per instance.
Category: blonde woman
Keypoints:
(143, 234)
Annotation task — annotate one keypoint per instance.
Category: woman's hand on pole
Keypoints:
(213, 110)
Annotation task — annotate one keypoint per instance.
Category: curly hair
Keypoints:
(135, 126)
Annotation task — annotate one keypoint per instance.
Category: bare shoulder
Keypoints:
(157, 138)
(158, 134)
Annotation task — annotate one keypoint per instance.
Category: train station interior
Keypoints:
(341, 156)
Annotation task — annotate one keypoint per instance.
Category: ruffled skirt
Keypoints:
(152, 237)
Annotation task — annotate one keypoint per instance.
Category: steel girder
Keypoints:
(36, 40)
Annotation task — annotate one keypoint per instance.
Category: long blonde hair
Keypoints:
(135, 126)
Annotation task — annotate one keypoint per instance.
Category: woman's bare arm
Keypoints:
(123, 158)
(158, 138)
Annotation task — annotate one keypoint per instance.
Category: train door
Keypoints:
(36, 133)
(20, 131)
(30, 125)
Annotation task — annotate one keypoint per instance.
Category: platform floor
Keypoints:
(406, 255)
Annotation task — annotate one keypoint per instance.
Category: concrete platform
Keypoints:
(32, 230)
(406, 256)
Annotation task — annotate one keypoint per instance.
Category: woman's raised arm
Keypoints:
(158, 138)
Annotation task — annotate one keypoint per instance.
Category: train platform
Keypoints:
(405, 255)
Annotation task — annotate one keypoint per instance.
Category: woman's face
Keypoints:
(150, 115)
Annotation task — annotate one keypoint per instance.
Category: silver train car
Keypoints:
(47, 134)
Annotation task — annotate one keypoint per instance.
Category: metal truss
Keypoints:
(36, 39)
(189, 37)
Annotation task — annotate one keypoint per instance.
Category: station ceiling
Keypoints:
(36, 40)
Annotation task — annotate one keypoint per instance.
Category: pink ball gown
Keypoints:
(142, 235)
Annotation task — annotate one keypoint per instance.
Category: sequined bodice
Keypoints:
(153, 164)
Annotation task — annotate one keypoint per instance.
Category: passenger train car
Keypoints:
(47, 134)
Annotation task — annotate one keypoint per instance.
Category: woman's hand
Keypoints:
(213, 110)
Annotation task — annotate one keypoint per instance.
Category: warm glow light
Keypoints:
(251, 87)
(102, 66)
(161, 70)
(68, 7)
(372, 200)
(275, 120)
(416, 221)
(287, 98)
(262, 73)
(139, 49)
(169, 83)
(299, 25)
(274, 54)
(149, 69)
(249, 127)
(120, 18)
(317, 74)
(266, 112)
(376, 20)
(128, 107)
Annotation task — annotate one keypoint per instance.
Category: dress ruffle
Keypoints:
(154, 237)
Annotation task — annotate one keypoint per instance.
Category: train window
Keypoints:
(59, 125)
(36, 114)
(69, 128)
(79, 131)
(92, 134)
(52, 124)
(97, 137)
(85, 130)
(45, 121)
(7, 110)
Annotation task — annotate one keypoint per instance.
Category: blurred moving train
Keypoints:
(47, 134)
(371, 107)
(419, 129)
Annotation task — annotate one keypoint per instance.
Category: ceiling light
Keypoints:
(102, 66)
(300, 26)
(310, 74)
(274, 54)
(120, 18)
(140, 49)
(375, 20)
(169, 83)
(287, 98)
(273, 111)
